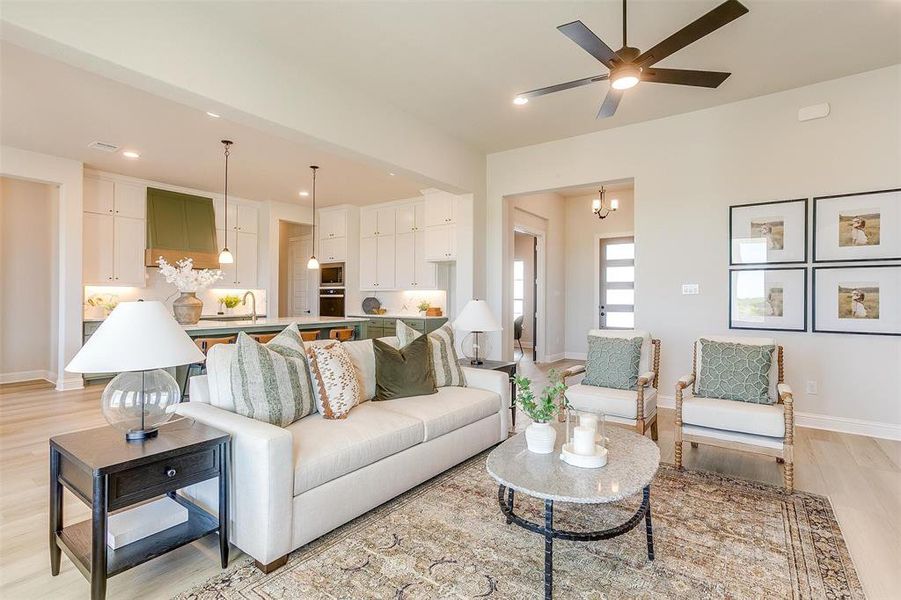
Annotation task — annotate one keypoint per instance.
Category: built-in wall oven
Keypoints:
(331, 302)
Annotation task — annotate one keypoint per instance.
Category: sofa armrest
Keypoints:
(645, 379)
(261, 481)
(199, 389)
(497, 382)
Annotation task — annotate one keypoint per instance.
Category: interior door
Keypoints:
(617, 283)
(535, 299)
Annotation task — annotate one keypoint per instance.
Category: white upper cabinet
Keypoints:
(410, 217)
(246, 259)
(98, 249)
(229, 273)
(332, 223)
(128, 255)
(413, 270)
(377, 268)
(441, 243)
(332, 250)
(130, 200)
(440, 209)
(425, 272)
(99, 196)
(375, 222)
(247, 218)
(219, 209)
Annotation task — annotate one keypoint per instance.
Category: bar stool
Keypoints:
(310, 335)
(263, 338)
(342, 335)
(204, 343)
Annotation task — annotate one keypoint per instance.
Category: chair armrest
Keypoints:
(572, 371)
(645, 379)
(685, 381)
(261, 481)
(785, 393)
(497, 382)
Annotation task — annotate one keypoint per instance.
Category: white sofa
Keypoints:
(291, 485)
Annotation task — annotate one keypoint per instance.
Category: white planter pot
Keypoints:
(540, 438)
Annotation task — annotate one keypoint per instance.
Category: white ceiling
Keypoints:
(459, 64)
(50, 107)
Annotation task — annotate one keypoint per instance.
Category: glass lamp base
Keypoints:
(136, 435)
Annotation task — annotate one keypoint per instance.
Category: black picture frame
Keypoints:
(803, 261)
(816, 200)
(813, 308)
(803, 329)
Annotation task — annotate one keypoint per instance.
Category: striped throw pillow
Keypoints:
(444, 355)
(271, 382)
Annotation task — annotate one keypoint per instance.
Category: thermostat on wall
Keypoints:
(690, 289)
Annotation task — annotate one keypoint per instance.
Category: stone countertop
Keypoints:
(302, 322)
(632, 463)
(396, 316)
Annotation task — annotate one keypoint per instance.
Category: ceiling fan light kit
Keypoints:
(628, 66)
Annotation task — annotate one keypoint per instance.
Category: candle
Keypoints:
(590, 421)
(583, 441)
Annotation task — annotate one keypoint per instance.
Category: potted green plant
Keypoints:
(423, 306)
(540, 436)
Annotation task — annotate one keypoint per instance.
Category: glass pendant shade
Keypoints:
(225, 257)
(614, 204)
(141, 401)
(312, 264)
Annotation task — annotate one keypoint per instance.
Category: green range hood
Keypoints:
(180, 226)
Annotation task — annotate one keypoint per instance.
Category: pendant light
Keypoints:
(225, 257)
(598, 205)
(313, 264)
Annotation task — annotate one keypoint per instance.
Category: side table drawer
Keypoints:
(147, 481)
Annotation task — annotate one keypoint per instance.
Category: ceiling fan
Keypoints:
(628, 66)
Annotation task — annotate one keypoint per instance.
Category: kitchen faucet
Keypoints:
(253, 305)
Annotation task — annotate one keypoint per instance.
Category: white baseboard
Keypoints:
(19, 376)
(576, 355)
(888, 431)
(554, 357)
(70, 382)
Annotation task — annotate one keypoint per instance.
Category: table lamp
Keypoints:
(477, 318)
(138, 340)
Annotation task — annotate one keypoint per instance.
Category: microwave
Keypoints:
(331, 275)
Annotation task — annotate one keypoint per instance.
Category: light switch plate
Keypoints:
(812, 387)
(689, 289)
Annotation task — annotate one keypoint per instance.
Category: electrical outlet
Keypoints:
(690, 289)
(812, 387)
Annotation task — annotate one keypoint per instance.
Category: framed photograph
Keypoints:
(768, 299)
(863, 300)
(768, 233)
(857, 227)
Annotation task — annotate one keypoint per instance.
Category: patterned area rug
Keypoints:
(715, 537)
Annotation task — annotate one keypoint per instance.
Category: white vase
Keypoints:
(540, 438)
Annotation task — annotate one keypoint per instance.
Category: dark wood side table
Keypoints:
(499, 365)
(108, 473)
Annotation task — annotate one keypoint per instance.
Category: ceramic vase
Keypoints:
(187, 308)
(540, 438)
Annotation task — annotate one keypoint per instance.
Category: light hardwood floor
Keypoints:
(862, 476)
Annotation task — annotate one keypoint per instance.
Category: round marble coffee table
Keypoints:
(631, 464)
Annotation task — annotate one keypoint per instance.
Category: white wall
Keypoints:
(522, 212)
(687, 170)
(28, 274)
(524, 250)
(582, 232)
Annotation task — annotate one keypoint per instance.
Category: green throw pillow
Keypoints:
(735, 372)
(613, 362)
(404, 372)
(271, 382)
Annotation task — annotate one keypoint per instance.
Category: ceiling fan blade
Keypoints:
(563, 86)
(611, 102)
(708, 79)
(578, 32)
(721, 15)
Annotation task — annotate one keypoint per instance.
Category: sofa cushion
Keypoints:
(613, 362)
(327, 449)
(218, 368)
(403, 372)
(728, 415)
(271, 382)
(451, 408)
(735, 371)
(610, 401)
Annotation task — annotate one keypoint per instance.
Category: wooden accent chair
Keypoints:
(634, 408)
(344, 334)
(760, 428)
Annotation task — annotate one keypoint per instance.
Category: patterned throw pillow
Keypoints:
(337, 385)
(444, 355)
(735, 371)
(271, 382)
(613, 362)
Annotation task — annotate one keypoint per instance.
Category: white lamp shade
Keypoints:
(137, 336)
(477, 316)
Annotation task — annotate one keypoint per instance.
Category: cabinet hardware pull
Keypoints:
(170, 472)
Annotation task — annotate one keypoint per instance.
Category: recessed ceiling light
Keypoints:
(304, 194)
(392, 174)
(519, 100)
(212, 114)
(131, 154)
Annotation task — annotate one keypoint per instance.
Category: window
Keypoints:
(617, 280)
(519, 287)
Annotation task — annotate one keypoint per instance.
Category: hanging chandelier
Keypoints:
(599, 206)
